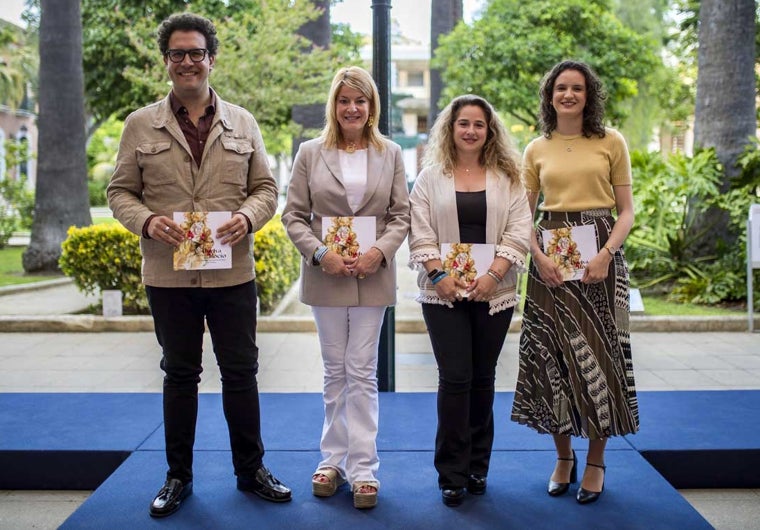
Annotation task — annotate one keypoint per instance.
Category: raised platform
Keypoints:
(113, 443)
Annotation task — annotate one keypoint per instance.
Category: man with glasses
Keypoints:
(194, 152)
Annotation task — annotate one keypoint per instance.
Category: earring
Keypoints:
(370, 121)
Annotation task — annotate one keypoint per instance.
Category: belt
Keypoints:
(577, 216)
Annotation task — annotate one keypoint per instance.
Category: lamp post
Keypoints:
(381, 66)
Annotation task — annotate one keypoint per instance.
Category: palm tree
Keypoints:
(319, 32)
(725, 116)
(444, 15)
(61, 197)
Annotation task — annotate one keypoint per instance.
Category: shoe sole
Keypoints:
(324, 489)
(363, 501)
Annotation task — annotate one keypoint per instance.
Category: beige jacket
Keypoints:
(434, 221)
(316, 190)
(156, 174)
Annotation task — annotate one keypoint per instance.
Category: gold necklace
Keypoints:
(350, 147)
(569, 143)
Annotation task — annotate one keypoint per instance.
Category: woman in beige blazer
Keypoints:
(350, 172)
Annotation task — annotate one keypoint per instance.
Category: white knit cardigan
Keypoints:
(434, 221)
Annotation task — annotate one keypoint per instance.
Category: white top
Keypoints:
(353, 166)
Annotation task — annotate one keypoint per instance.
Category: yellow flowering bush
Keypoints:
(107, 256)
(277, 263)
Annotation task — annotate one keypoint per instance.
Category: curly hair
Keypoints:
(593, 112)
(187, 22)
(498, 151)
(358, 79)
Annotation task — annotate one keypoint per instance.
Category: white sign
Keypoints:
(754, 236)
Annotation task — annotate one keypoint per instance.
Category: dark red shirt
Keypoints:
(195, 136)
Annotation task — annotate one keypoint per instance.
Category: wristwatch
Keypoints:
(610, 249)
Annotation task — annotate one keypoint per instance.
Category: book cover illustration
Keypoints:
(466, 261)
(571, 248)
(348, 236)
(201, 249)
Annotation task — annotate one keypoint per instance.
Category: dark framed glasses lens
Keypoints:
(177, 56)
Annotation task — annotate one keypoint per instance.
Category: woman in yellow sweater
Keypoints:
(576, 373)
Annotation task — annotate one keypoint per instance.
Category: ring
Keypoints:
(166, 229)
(361, 276)
(234, 233)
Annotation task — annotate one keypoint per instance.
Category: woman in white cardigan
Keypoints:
(468, 192)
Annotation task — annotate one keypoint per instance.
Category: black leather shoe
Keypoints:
(452, 496)
(476, 484)
(169, 497)
(556, 489)
(585, 496)
(263, 484)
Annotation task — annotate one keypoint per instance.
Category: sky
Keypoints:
(413, 16)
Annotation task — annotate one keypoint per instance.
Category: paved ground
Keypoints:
(128, 362)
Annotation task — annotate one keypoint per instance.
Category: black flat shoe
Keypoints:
(476, 484)
(169, 497)
(585, 496)
(556, 489)
(265, 486)
(452, 496)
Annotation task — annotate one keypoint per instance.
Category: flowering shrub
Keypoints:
(107, 256)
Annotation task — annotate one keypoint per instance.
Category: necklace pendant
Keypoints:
(351, 148)
(568, 148)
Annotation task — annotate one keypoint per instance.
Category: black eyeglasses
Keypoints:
(177, 56)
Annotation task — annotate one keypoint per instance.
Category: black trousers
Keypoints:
(230, 312)
(466, 342)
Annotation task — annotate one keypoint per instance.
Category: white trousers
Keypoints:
(349, 339)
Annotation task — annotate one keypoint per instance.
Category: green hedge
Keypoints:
(107, 256)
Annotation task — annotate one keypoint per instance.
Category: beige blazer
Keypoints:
(316, 190)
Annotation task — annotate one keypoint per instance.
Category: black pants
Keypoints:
(230, 312)
(466, 342)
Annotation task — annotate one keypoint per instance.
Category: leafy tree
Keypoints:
(19, 64)
(61, 191)
(262, 69)
(505, 53)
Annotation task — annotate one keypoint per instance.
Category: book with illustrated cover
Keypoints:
(201, 249)
(349, 236)
(467, 261)
(571, 248)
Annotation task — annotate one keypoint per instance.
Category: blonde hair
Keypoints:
(498, 152)
(358, 79)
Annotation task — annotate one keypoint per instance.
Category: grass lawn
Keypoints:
(12, 272)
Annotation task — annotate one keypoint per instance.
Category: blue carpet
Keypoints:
(114, 443)
(636, 497)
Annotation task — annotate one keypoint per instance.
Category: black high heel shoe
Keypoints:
(556, 489)
(585, 496)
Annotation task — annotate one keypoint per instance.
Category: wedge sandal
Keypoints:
(365, 499)
(325, 488)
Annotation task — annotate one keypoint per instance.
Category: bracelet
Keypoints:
(432, 274)
(440, 276)
(320, 253)
(495, 275)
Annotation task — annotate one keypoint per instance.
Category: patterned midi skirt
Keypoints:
(576, 373)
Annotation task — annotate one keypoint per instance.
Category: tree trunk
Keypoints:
(444, 15)
(725, 106)
(61, 198)
(319, 32)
